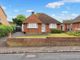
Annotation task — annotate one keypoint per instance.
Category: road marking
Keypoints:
(30, 55)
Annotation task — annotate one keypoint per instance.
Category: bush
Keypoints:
(77, 33)
(4, 30)
(13, 28)
(56, 31)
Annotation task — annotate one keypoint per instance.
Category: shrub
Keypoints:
(77, 33)
(56, 31)
(13, 28)
(4, 30)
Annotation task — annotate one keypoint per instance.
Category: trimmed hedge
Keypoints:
(4, 30)
(56, 31)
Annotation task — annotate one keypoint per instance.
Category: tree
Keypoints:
(19, 19)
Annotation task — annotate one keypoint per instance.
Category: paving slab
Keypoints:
(39, 49)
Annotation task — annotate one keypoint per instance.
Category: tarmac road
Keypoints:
(41, 56)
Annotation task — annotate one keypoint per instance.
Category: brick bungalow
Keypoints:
(40, 23)
(72, 25)
(67, 25)
(3, 17)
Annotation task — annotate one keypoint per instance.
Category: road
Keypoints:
(41, 56)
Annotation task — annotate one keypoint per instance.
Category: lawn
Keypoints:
(48, 35)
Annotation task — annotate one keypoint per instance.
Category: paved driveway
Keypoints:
(17, 34)
(3, 39)
(13, 35)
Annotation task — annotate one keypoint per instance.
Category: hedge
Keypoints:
(76, 33)
(4, 30)
(56, 31)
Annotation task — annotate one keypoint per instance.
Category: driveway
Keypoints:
(13, 35)
(3, 39)
(17, 34)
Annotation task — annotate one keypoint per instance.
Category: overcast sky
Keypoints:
(58, 9)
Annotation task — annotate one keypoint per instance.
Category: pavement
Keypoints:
(56, 49)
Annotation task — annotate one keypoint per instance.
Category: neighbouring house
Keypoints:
(72, 25)
(11, 23)
(67, 25)
(3, 17)
(76, 24)
(40, 23)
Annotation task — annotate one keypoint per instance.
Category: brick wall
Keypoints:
(3, 17)
(75, 26)
(49, 41)
(32, 30)
(37, 30)
(59, 26)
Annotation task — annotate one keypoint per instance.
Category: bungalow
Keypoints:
(3, 17)
(72, 25)
(67, 25)
(39, 23)
(76, 24)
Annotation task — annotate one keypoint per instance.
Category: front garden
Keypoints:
(52, 39)
(74, 33)
(48, 35)
(54, 33)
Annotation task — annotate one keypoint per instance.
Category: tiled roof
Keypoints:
(46, 19)
(67, 21)
(43, 18)
(3, 11)
(77, 19)
(31, 19)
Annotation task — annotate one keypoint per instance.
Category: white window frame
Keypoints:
(62, 27)
(53, 26)
(32, 25)
(22, 27)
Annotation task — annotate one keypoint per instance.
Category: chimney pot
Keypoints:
(32, 12)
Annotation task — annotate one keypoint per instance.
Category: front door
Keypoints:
(43, 28)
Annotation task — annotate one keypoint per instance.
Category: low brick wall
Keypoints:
(49, 41)
(63, 41)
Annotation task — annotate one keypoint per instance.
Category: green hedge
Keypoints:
(4, 30)
(56, 31)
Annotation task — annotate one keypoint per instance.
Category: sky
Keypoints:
(58, 9)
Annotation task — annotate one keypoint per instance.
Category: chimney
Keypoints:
(32, 13)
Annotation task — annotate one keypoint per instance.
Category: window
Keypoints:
(22, 27)
(52, 26)
(32, 25)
